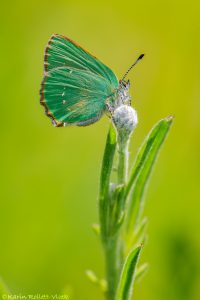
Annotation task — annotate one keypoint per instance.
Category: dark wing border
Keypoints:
(55, 122)
(66, 38)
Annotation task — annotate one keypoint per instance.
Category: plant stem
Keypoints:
(121, 202)
(113, 266)
(114, 245)
(123, 162)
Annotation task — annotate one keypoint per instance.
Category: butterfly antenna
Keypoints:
(139, 58)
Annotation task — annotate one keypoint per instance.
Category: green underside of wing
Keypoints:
(75, 96)
(61, 52)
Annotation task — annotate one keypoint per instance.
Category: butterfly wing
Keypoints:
(61, 52)
(76, 84)
(72, 96)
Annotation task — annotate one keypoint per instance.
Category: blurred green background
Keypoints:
(49, 176)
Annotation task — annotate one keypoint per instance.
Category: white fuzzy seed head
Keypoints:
(125, 119)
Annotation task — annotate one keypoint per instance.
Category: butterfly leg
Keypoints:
(110, 105)
(109, 109)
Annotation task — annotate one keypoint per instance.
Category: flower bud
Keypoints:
(125, 120)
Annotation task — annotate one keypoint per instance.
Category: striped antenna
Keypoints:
(139, 58)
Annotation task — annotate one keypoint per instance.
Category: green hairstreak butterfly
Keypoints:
(77, 87)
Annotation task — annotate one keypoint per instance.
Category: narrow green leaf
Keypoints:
(142, 170)
(91, 276)
(102, 283)
(107, 161)
(125, 287)
(107, 166)
(141, 272)
(116, 212)
(139, 234)
(96, 228)
(137, 237)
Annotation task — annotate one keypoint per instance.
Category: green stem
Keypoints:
(114, 245)
(123, 163)
(113, 266)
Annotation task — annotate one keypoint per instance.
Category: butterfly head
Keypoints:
(124, 84)
(123, 92)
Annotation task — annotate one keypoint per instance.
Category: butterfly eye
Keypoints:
(121, 82)
(125, 84)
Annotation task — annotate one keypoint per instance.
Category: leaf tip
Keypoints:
(96, 228)
(170, 118)
(141, 246)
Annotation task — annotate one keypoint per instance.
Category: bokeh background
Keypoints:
(49, 176)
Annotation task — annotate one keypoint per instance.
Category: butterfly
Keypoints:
(77, 88)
